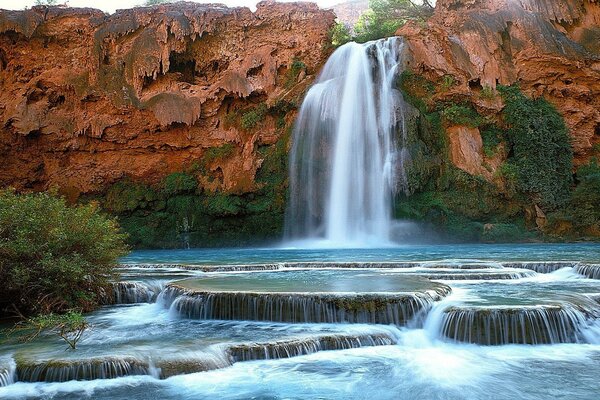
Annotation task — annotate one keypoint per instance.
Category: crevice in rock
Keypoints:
(184, 65)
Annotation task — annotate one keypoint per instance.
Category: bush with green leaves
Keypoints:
(250, 119)
(384, 17)
(459, 114)
(53, 257)
(179, 183)
(540, 146)
(69, 327)
(585, 200)
(339, 35)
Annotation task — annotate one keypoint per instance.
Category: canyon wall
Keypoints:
(88, 99)
(551, 48)
(492, 157)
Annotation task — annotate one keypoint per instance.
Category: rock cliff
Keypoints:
(88, 99)
(551, 48)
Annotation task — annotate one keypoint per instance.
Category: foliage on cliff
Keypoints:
(530, 136)
(384, 17)
(540, 149)
(54, 257)
(181, 212)
(381, 19)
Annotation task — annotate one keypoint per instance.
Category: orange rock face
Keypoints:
(550, 47)
(87, 99)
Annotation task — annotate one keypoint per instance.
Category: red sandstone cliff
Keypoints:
(87, 98)
(550, 47)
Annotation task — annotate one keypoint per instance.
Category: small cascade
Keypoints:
(300, 347)
(349, 150)
(545, 267)
(480, 276)
(516, 325)
(87, 369)
(135, 292)
(379, 308)
(591, 271)
(208, 268)
(8, 370)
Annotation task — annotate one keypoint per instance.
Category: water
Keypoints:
(346, 160)
(152, 350)
(586, 252)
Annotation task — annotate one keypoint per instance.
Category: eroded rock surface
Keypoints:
(549, 47)
(87, 99)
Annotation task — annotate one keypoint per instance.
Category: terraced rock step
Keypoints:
(220, 356)
(541, 267)
(294, 348)
(86, 369)
(519, 325)
(475, 275)
(313, 296)
(133, 292)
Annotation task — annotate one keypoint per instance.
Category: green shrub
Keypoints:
(491, 136)
(221, 204)
(339, 35)
(293, 72)
(487, 92)
(250, 119)
(541, 149)
(505, 233)
(585, 200)
(447, 82)
(69, 327)
(384, 17)
(178, 183)
(462, 115)
(127, 196)
(218, 153)
(54, 257)
(416, 89)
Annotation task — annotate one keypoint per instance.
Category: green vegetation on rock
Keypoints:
(178, 211)
(460, 114)
(250, 119)
(339, 35)
(540, 147)
(537, 170)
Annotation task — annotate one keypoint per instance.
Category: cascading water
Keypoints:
(346, 159)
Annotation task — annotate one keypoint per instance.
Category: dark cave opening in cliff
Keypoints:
(3, 60)
(183, 65)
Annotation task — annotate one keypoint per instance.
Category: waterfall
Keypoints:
(346, 159)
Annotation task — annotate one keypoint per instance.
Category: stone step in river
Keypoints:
(319, 296)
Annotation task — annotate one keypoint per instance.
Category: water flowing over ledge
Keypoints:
(516, 325)
(7, 371)
(215, 357)
(134, 292)
(347, 159)
(591, 271)
(379, 308)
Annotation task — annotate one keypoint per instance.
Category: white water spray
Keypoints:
(349, 153)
